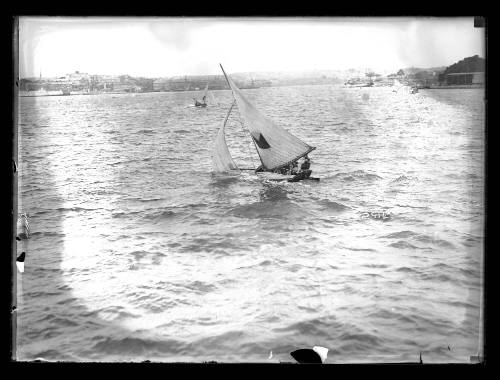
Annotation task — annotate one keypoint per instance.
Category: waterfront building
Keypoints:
(57, 84)
(126, 87)
(77, 78)
(191, 83)
(104, 82)
(474, 78)
(467, 72)
(30, 85)
(160, 84)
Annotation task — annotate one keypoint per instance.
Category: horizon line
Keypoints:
(235, 73)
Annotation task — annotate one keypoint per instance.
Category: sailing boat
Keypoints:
(203, 103)
(397, 85)
(212, 98)
(277, 148)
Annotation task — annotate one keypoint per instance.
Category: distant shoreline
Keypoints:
(432, 87)
(83, 93)
(25, 94)
(465, 86)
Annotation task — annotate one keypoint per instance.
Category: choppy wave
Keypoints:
(277, 210)
(160, 214)
(356, 175)
(403, 245)
(401, 235)
(145, 132)
(404, 178)
(332, 205)
(137, 347)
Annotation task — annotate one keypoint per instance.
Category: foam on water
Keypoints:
(139, 252)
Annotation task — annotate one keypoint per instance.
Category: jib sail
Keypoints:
(221, 158)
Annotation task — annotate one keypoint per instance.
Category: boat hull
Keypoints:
(301, 176)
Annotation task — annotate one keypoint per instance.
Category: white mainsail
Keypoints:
(212, 98)
(398, 86)
(221, 158)
(276, 146)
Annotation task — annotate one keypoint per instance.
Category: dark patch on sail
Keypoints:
(261, 141)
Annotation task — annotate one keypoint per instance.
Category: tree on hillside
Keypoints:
(401, 72)
(467, 65)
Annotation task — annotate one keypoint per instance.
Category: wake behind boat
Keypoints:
(278, 150)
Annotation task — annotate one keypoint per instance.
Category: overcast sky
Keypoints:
(156, 47)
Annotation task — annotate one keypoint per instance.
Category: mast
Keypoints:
(205, 92)
(228, 113)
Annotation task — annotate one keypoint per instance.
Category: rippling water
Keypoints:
(139, 252)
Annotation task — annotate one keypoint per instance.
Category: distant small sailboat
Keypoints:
(277, 148)
(369, 84)
(212, 98)
(397, 85)
(406, 88)
(203, 102)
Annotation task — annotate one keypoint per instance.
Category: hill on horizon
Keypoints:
(467, 65)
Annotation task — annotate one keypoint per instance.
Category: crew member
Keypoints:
(306, 164)
(304, 167)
